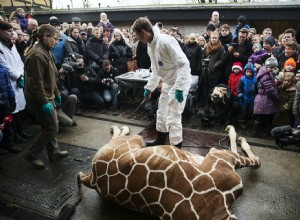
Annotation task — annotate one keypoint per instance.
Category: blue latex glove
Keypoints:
(20, 82)
(179, 95)
(57, 100)
(146, 94)
(47, 108)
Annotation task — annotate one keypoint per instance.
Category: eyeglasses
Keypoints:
(55, 38)
(242, 37)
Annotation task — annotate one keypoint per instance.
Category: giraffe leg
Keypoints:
(246, 147)
(115, 131)
(125, 130)
(232, 136)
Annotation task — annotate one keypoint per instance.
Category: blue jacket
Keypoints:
(6, 90)
(247, 88)
(59, 50)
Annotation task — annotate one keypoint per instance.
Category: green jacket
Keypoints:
(41, 75)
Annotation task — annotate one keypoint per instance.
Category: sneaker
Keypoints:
(58, 154)
(37, 163)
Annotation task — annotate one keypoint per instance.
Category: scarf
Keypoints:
(212, 48)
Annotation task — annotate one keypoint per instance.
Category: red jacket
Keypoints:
(233, 82)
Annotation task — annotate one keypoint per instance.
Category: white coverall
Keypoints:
(169, 64)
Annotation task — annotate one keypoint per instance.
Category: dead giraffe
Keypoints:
(168, 182)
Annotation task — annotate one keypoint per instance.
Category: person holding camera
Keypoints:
(42, 94)
(109, 86)
(169, 64)
(213, 59)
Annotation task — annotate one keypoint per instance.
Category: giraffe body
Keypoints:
(165, 181)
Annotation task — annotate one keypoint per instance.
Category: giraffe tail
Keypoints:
(68, 210)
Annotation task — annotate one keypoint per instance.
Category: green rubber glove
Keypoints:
(47, 108)
(179, 95)
(20, 82)
(146, 94)
(57, 100)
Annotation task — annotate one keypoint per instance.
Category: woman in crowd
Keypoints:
(42, 94)
(119, 52)
(96, 49)
(213, 59)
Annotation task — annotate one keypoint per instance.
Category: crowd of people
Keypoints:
(49, 70)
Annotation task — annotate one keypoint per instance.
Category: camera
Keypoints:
(286, 135)
(206, 62)
(107, 81)
(67, 67)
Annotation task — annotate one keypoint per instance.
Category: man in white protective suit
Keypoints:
(169, 64)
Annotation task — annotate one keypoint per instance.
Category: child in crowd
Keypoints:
(233, 82)
(266, 98)
(247, 90)
(286, 94)
(289, 67)
(258, 57)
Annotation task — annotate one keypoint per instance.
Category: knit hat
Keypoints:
(271, 61)
(258, 45)
(54, 21)
(4, 25)
(237, 65)
(270, 40)
(210, 27)
(249, 66)
(241, 19)
(290, 61)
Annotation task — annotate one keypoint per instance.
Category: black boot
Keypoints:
(179, 145)
(160, 139)
(259, 130)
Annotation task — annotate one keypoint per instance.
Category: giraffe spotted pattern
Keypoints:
(168, 182)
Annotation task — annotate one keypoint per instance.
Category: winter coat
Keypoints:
(23, 23)
(119, 54)
(267, 96)
(234, 81)
(217, 60)
(74, 46)
(284, 115)
(40, 81)
(11, 60)
(96, 50)
(258, 57)
(6, 90)
(245, 51)
(142, 56)
(194, 53)
(59, 50)
(93, 84)
(247, 88)
(168, 62)
(296, 104)
(226, 40)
